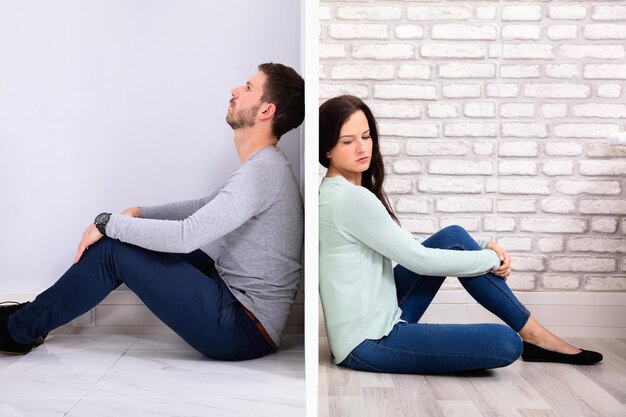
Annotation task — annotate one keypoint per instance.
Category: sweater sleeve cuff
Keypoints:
(496, 260)
(482, 242)
(112, 225)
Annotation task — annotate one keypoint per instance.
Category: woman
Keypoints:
(371, 310)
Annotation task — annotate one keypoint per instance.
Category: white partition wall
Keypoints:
(110, 104)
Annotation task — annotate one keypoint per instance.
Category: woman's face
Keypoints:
(353, 151)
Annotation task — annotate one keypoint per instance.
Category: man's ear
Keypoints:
(267, 111)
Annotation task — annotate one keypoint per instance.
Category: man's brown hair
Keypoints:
(284, 88)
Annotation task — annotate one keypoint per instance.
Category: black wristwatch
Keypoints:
(101, 222)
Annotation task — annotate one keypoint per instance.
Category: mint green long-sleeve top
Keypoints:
(358, 241)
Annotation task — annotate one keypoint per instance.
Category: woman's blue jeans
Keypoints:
(182, 290)
(417, 348)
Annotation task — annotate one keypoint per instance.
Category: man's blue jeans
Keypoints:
(183, 290)
(445, 348)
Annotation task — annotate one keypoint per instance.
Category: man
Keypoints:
(232, 308)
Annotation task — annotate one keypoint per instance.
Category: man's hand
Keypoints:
(90, 236)
(505, 260)
(132, 212)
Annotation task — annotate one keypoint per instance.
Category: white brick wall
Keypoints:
(494, 116)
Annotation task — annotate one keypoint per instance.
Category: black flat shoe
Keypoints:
(533, 353)
(9, 307)
(8, 346)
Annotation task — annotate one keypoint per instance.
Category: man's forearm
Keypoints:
(174, 211)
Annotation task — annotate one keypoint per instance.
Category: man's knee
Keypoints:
(101, 246)
(114, 244)
(107, 247)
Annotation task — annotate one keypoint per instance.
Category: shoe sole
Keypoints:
(38, 342)
(13, 353)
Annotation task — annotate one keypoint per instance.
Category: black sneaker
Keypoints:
(9, 307)
(10, 347)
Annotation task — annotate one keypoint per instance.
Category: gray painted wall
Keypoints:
(110, 104)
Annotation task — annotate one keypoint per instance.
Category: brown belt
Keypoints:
(259, 326)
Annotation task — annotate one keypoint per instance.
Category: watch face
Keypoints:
(102, 218)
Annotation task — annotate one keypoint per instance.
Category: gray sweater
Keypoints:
(257, 217)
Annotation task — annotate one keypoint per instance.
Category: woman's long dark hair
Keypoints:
(333, 114)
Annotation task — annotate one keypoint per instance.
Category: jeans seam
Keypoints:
(410, 352)
(408, 293)
(363, 363)
(515, 302)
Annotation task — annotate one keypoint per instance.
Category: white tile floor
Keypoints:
(139, 376)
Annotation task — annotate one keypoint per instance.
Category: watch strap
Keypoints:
(101, 222)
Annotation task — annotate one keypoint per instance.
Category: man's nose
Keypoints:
(235, 92)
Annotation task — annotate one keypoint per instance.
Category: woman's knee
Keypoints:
(454, 231)
(447, 235)
(452, 237)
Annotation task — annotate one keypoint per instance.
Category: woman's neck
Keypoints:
(352, 177)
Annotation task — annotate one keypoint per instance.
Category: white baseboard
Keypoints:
(122, 312)
(567, 314)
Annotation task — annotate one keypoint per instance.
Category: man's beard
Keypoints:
(242, 119)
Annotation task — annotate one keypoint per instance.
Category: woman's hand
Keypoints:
(505, 260)
(90, 236)
(132, 212)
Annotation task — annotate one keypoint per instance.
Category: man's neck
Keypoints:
(248, 142)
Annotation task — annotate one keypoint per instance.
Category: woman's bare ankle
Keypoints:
(533, 332)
